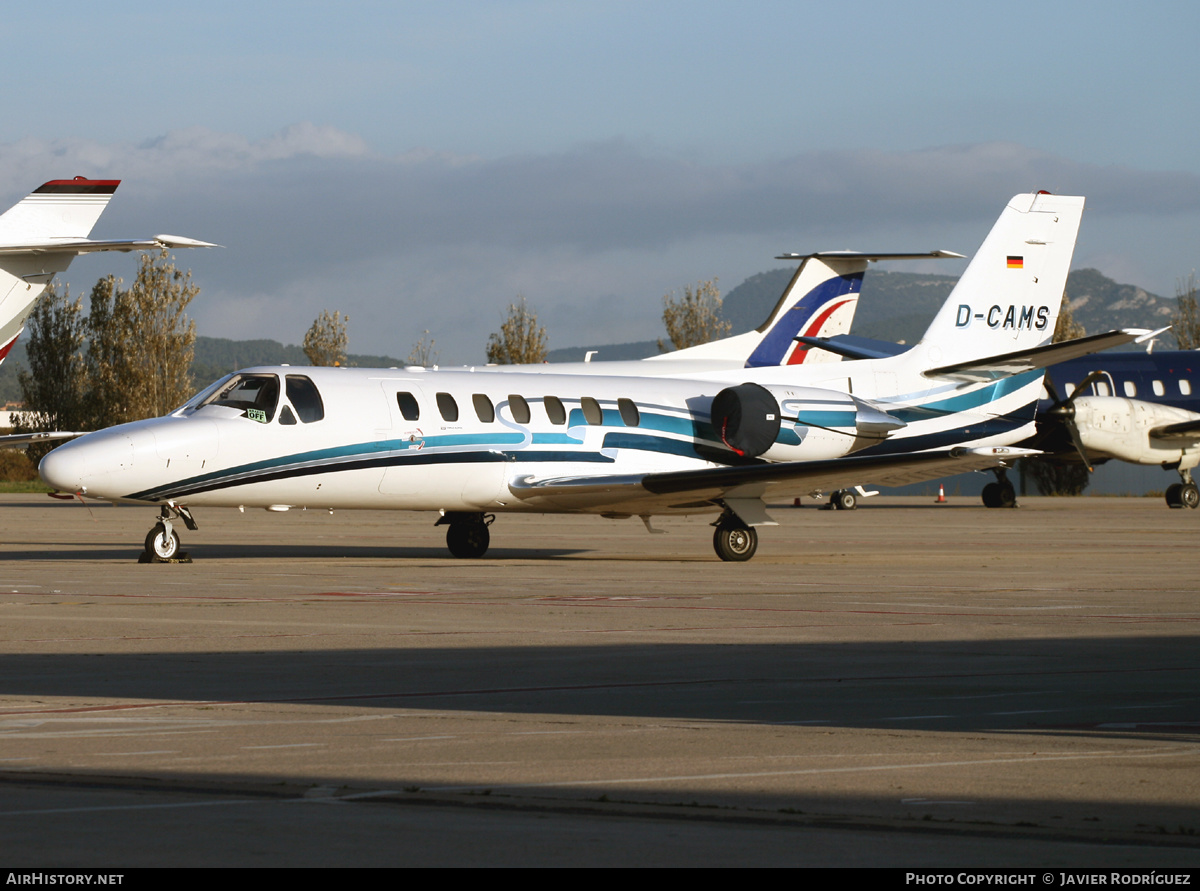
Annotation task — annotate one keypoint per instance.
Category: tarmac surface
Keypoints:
(907, 684)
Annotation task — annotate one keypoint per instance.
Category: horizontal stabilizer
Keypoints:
(88, 246)
(858, 255)
(851, 347)
(1022, 361)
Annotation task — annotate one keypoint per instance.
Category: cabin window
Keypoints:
(484, 409)
(256, 395)
(629, 412)
(1130, 388)
(1102, 389)
(591, 411)
(1157, 387)
(409, 408)
(554, 410)
(519, 408)
(303, 395)
(447, 406)
(1185, 387)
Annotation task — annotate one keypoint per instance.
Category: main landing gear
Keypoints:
(843, 499)
(162, 541)
(467, 533)
(1183, 494)
(733, 540)
(1000, 493)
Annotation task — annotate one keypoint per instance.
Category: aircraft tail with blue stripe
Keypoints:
(819, 301)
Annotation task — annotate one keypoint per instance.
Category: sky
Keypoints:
(419, 166)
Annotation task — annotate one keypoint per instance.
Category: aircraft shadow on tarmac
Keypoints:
(1117, 686)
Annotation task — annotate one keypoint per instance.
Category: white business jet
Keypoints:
(39, 237)
(472, 443)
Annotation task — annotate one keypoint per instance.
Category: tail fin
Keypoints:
(42, 234)
(58, 211)
(1009, 296)
(819, 301)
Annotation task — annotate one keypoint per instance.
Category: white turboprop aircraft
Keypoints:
(474, 442)
(39, 237)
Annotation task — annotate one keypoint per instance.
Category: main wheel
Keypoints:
(845, 499)
(161, 545)
(468, 539)
(1190, 496)
(991, 495)
(734, 542)
(1008, 495)
(1174, 495)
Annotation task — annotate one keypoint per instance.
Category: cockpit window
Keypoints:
(256, 395)
(303, 395)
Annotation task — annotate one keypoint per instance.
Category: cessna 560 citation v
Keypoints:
(472, 443)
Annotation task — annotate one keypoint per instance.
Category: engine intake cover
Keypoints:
(747, 418)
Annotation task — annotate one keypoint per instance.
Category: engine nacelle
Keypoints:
(1122, 428)
(796, 423)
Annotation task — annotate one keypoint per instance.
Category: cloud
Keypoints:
(312, 218)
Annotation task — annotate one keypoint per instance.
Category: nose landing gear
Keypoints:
(162, 541)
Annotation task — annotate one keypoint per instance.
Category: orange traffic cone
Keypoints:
(941, 499)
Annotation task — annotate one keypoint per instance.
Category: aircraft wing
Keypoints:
(21, 440)
(88, 246)
(1184, 434)
(696, 489)
(1009, 364)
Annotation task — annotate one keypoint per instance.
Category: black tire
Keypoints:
(735, 543)
(1190, 496)
(1008, 495)
(845, 499)
(161, 546)
(1174, 495)
(991, 495)
(468, 540)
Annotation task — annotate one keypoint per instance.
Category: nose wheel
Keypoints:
(162, 541)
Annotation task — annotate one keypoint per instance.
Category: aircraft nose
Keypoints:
(83, 464)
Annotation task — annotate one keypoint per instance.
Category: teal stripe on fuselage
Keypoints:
(964, 401)
(645, 443)
(826, 418)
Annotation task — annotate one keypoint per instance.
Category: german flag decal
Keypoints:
(1016, 262)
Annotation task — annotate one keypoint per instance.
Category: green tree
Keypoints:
(520, 340)
(141, 343)
(1067, 328)
(696, 318)
(1185, 323)
(55, 387)
(326, 341)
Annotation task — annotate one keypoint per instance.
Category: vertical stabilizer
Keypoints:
(1009, 296)
(60, 211)
(819, 301)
